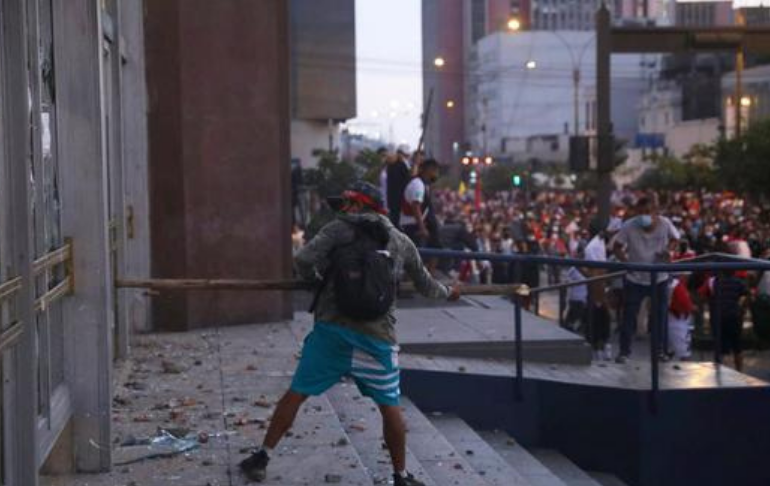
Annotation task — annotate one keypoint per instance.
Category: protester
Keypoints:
(416, 205)
(353, 335)
(646, 238)
(680, 313)
(384, 156)
(577, 302)
(398, 174)
(728, 297)
(598, 313)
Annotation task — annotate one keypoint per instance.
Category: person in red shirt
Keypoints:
(680, 320)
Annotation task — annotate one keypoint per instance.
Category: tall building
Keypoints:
(453, 28)
(522, 96)
(704, 14)
(323, 74)
(450, 29)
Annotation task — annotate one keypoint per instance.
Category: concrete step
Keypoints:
(518, 457)
(362, 421)
(481, 455)
(445, 465)
(565, 469)
(606, 479)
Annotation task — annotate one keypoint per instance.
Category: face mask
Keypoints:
(644, 221)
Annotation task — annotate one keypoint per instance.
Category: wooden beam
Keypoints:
(630, 40)
(184, 285)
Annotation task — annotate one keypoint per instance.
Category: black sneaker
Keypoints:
(409, 480)
(254, 467)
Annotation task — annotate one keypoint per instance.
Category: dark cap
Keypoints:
(361, 192)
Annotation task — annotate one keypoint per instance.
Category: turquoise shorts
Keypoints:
(331, 352)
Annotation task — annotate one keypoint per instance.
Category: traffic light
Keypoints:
(579, 154)
(516, 180)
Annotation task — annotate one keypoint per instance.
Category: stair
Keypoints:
(565, 469)
(361, 419)
(607, 479)
(520, 459)
(484, 459)
(443, 450)
(439, 458)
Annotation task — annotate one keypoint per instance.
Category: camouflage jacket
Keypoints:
(312, 261)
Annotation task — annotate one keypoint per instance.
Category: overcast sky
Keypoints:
(389, 60)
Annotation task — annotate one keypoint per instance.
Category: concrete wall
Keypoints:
(323, 59)
(219, 155)
(308, 136)
(681, 138)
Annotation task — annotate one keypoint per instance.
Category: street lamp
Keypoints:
(531, 64)
(514, 24)
(439, 62)
(450, 104)
(745, 101)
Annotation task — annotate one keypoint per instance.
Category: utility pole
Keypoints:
(740, 20)
(576, 100)
(605, 151)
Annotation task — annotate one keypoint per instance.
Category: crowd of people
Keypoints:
(645, 226)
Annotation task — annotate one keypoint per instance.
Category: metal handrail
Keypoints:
(707, 263)
(9, 288)
(735, 263)
(52, 259)
(61, 256)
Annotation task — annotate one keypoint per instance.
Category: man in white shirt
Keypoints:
(416, 204)
(598, 313)
(646, 238)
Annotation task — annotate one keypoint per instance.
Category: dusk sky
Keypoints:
(389, 52)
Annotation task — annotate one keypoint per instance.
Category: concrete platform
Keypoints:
(629, 376)
(708, 425)
(485, 328)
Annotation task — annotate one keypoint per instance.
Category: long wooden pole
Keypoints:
(283, 285)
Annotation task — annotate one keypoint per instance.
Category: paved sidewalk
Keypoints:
(223, 384)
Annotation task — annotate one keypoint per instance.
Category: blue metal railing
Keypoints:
(707, 263)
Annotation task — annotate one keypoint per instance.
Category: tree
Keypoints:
(370, 165)
(695, 170)
(496, 178)
(743, 163)
(332, 176)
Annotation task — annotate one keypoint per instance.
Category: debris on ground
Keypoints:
(164, 444)
(172, 367)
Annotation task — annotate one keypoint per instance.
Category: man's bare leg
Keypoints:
(394, 432)
(283, 418)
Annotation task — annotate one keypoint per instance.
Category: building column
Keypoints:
(219, 156)
(89, 312)
(134, 154)
(20, 362)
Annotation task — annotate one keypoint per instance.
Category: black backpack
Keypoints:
(362, 273)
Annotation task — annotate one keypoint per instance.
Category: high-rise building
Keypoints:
(704, 14)
(323, 74)
(450, 29)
